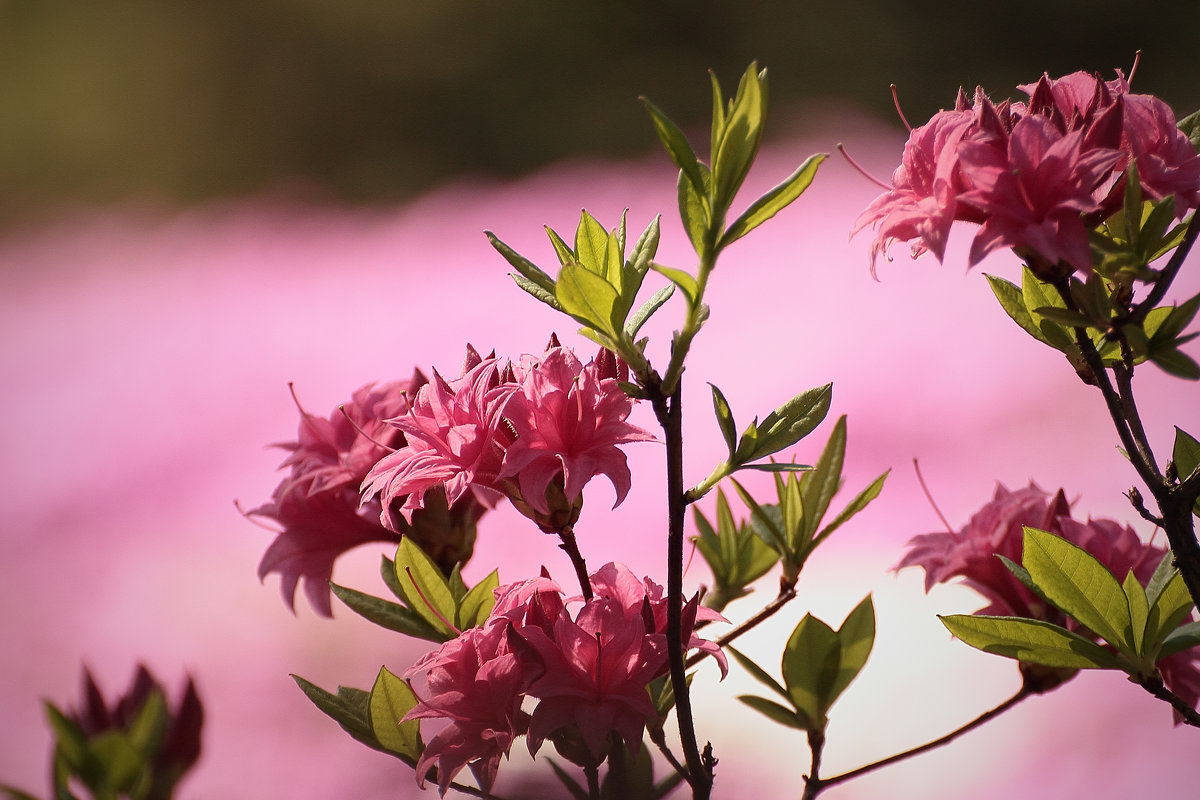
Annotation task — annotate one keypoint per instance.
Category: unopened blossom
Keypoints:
(476, 681)
(316, 505)
(568, 419)
(453, 439)
(997, 529)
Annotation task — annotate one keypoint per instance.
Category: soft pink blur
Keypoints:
(145, 362)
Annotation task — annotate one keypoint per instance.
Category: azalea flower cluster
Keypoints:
(426, 458)
(1036, 175)
(997, 530)
(588, 672)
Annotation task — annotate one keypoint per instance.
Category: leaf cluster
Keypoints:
(373, 718)
(818, 664)
(792, 527)
(1136, 625)
(431, 605)
(1042, 312)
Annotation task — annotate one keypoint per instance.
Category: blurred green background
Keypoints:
(367, 101)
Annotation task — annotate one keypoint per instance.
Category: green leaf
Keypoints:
(347, 708)
(577, 792)
(691, 290)
(811, 663)
(724, 419)
(1030, 640)
(148, 727)
(741, 133)
(561, 249)
(1063, 316)
(758, 673)
(525, 268)
(785, 426)
(425, 590)
(391, 698)
(119, 763)
(860, 501)
(546, 296)
(777, 468)
(387, 614)
(595, 248)
(69, 738)
(13, 793)
(478, 603)
(773, 201)
(639, 317)
(646, 247)
(1176, 362)
(770, 524)
(676, 144)
(857, 638)
(387, 570)
(587, 297)
(1190, 125)
(1074, 581)
(694, 214)
(820, 485)
(1182, 638)
(1139, 611)
(777, 713)
(1170, 608)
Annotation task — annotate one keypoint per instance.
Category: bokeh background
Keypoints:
(200, 203)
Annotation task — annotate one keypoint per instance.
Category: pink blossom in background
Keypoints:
(146, 358)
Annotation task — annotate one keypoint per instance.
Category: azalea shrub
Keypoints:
(1092, 185)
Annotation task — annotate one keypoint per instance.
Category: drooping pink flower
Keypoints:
(568, 419)
(997, 529)
(453, 438)
(317, 505)
(1166, 161)
(1034, 195)
(923, 201)
(477, 682)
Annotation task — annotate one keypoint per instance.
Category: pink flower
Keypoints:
(997, 530)
(1033, 196)
(1166, 161)
(453, 439)
(922, 203)
(477, 682)
(568, 419)
(317, 504)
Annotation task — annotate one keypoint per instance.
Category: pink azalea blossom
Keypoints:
(477, 682)
(997, 529)
(317, 504)
(1036, 175)
(568, 419)
(453, 438)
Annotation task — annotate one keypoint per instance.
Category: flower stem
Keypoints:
(816, 785)
(569, 546)
(1154, 686)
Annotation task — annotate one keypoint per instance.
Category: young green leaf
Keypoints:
(676, 144)
(348, 708)
(773, 201)
(820, 485)
(741, 133)
(478, 602)
(724, 419)
(1030, 640)
(1182, 638)
(778, 713)
(860, 501)
(524, 267)
(785, 426)
(423, 587)
(811, 663)
(391, 698)
(687, 283)
(694, 214)
(857, 638)
(587, 297)
(387, 614)
(1077, 583)
(758, 673)
(1139, 611)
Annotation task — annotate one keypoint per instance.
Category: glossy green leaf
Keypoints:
(561, 249)
(785, 426)
(774, 201)
(860, 501)
(739, 139)
(646, 247)
(1073, 580)
(811, 663)
(1139, 611)
(758, 673)
(777, 468)
(587, 297)
(348, 708)
(676, 144)
(724, 419)
(687, 283)
(596, 248)
(778, 713)
(478, 602)
(524, 267)
(820, 485)
(387, 614)
(693, 213)
(1182, 638)
(424, 589)
(856, 638)
(546, 296)
(391, 698)
(769, 520)
(1030, 640)
(1169, 609)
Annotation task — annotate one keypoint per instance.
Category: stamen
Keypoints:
(363, 433)
(296, 400)
(929, 497)
(1137, 57)
(253, 520)
(841, 149)
(896, 103)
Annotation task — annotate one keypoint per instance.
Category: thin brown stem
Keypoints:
(571, 548)
(1154, 686)
(1168, 273)
(817, 785)
(786, 594)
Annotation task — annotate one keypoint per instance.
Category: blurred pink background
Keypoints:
(145, 358)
